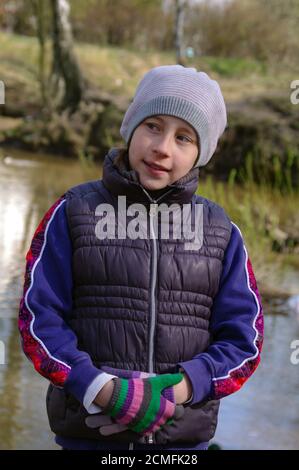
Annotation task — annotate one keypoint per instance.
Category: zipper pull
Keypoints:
(153, 210)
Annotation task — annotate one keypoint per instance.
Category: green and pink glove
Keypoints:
(107, 425)
(139, 404)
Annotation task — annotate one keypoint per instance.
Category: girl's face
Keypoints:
(162, 150)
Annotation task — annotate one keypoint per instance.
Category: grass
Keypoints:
(250, 207)
(117, 70)
(235, 67)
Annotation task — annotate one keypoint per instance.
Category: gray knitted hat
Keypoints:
(182, 92)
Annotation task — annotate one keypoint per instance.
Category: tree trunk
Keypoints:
(67, 79)
(179, 31)
(38, 7)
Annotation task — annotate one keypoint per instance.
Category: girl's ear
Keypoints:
(197, 159)
(198, 154)
(122, 159)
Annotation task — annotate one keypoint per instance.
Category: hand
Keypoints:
(139, 403)
(127, 374)
(178, 393)
(104, 396)
(105, 423)
(183, 390)
(105, 393)
(107, 426)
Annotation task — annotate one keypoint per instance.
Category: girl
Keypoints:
(141, 334)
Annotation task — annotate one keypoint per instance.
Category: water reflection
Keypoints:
(10, 391)
(27, 189)
(264, 414)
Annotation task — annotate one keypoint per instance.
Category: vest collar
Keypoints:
(121, 180)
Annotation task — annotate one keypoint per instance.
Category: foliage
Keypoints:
(260, 30)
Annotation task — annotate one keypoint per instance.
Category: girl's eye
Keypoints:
(187, 139)
(151, 125)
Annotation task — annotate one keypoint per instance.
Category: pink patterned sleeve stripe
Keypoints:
(46, 364)
(237, 376)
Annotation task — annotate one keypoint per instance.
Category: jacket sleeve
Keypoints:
(236, 327)
(47, 340)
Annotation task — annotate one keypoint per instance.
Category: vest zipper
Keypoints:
(152, 214)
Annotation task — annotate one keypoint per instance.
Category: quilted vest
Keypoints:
(144, 303)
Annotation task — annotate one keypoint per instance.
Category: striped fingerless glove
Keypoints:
(137, 374)
(139, 403)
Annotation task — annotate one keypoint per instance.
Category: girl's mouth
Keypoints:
(156, 169)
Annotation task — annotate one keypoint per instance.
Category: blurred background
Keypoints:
(68, 70)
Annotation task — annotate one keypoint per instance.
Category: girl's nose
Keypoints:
(163, 144)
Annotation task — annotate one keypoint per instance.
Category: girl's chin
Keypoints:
(153, 187)
(153, 183)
